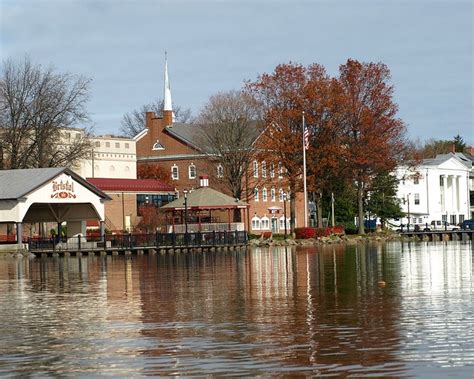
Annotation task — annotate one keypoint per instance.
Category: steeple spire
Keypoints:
(168, 113)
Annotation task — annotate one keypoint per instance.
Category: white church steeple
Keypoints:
(168, 113)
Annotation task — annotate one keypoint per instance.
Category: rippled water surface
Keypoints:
(394, 309)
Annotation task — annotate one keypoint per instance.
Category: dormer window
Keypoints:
(157, 146)
(220, 171)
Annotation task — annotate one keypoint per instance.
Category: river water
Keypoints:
(395, 309)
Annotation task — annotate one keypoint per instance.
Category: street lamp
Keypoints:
(284, 211)
(185, 216)
(408, 213)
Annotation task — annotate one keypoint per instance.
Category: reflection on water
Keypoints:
(393, 309)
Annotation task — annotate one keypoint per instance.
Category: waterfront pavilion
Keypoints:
(204, 209)
(48, 195)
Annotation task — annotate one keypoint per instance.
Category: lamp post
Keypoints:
(408, 212)
(185, 216)
(284, 211)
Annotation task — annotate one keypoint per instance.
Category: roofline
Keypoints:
(140, 135)
(76, 177)
(197, 208)
(168, 128)
(173, 157)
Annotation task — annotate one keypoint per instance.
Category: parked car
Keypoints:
(441, 225)
(468, 224)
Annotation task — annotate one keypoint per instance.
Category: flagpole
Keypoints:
(304, 178)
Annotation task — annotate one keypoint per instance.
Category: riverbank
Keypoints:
(333, 239)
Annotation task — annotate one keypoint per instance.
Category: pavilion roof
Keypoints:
(205, 198)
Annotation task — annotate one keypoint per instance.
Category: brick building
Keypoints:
(176, 148)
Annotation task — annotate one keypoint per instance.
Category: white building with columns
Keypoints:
(438, 189)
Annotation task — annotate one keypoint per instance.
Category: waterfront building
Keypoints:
(177, 149)
(438, 189)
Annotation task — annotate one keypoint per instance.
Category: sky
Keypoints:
(215, 46)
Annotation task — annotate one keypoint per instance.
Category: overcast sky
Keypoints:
(216, 45)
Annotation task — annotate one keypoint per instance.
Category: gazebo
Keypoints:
(202, 210)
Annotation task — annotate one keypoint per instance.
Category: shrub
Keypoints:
(304, 233)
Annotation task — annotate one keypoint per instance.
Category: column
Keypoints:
(453, 194)
(102, 231)
(444, 205)
(19, 235)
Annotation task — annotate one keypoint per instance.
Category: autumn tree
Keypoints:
(39, 109)
(134, 122)
(373, 137)
(151, 171)
(228, 130)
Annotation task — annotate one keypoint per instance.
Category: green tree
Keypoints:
(459, 144)
(382, 201)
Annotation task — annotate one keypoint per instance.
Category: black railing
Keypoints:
(130, 241)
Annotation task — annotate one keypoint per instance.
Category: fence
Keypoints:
(128, 241)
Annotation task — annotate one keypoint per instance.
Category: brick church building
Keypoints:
(175, 147)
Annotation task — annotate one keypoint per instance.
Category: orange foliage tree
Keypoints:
(148, 171)
(373, 137)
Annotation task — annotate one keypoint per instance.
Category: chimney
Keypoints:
(453, 148)
(204, 181)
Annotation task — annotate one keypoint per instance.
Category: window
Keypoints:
(255, 169)
(280, 170)
(127, 145)
(444, 218)
(255, 223)
(157, 146)
(107, 144)
(174, 172)
(97, 143)
(461, 218)
(282, 223)
(273, 194)
(417, 198)
(264, 194)
(117, 145)
(255, 194)
(192, 171)
(416, 180)
(220, 171)
(280, 193)
(272, 170)
(264, 169)
(452, 219)
(265, 223)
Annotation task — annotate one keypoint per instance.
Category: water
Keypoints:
(378, 310)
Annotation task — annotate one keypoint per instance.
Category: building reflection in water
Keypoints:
(364, 309)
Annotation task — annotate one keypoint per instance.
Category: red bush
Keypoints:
(338, 230)
(304, 233)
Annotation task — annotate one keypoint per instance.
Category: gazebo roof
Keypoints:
(205, 198)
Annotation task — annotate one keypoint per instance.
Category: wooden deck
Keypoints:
(441, 235)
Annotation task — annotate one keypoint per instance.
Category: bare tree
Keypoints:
(228, 132)
(134, 122)
(37, 107)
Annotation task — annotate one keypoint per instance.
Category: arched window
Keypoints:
(255, 169)
(280, 192)
(174, 172)
(265, 223)
(264, 194)
(280, 170)
(273, 194)
(282, 223)
(220, 171)
(272, 170)
(255, 223)
(264, 169)
(192, 171)
(158, 146)
(255, 194)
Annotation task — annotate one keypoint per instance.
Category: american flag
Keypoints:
(306, 137)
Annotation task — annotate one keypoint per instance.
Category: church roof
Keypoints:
(131, 185)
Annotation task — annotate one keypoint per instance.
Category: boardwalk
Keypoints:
(128, 244)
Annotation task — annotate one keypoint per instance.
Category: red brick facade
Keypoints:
(160, 145)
